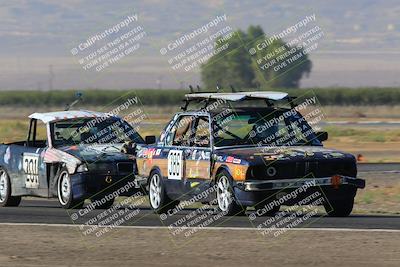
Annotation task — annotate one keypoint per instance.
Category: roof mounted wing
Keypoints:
(207, 97)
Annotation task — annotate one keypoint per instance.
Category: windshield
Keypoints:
(101, 130)
(255, 127)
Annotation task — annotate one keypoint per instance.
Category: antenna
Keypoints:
(78, 96)
(191, 89)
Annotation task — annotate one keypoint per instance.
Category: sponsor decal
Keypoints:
(158, 152)
(229, 159)
(239, 173)
(200, 155)
(194, 184)
(336, 154)
(150, 153)
(194, 154)
(271, 157)
(237, 161)
(7, 156)
(72, 148)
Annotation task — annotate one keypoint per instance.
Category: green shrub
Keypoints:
(326, 96)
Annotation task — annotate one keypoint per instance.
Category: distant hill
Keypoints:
(361, 45)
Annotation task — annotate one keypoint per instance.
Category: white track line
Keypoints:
(212, 228)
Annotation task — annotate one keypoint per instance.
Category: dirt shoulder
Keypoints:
(64, 246)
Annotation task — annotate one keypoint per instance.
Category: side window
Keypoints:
(181, 133)
(37, 134)
(202, 134)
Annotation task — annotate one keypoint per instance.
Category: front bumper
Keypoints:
(336, 180)
(87, 185)
(337, 187)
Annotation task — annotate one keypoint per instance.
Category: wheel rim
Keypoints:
(224, 195)
(3, 186)
(64, 188)
(155, 191)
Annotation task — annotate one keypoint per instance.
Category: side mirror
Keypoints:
(151, 139)
(322, 136)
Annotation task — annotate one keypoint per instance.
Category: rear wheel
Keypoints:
(158, 198)
(226, 197)
(65, 193)
(6, 200)
(339, 208)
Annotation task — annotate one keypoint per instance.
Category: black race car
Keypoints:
(250, 155)
(72, 155)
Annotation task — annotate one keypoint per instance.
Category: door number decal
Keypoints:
(30, 163)
(175, 164)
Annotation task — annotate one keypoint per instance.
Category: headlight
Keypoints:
(82, 168)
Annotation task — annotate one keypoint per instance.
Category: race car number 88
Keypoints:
(175, 164)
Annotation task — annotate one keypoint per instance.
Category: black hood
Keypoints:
(253, 155)
(94, 153)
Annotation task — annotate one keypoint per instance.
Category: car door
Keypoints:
(32, 166)
(177, 143)
(198, 158)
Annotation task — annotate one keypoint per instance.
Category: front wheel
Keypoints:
(158, 198)
(226, 197)
(339, 208)
(65, 193)
(6, 200)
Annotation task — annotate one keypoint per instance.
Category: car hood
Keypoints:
(256, 155)
(93, 153)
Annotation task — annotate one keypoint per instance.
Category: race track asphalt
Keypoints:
(49, 212)
(44, 211)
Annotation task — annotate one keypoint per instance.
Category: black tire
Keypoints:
(226, 197)
(106, 205)
(158, 198)
(64, 192)
(340, 207)
(6, 199)
(264, 210)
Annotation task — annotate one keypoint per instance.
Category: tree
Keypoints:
(231, 66)
(236, 66)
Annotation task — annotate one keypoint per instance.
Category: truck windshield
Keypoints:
(251, 127)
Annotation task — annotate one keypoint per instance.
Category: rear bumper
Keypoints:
(336, 180)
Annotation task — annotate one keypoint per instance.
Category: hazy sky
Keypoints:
(55, 44)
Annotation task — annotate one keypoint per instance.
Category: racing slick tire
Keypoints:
(158, 198)
(340, 207)
(64, 192)
(6, 200)
(106, 205)
(226, 196)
